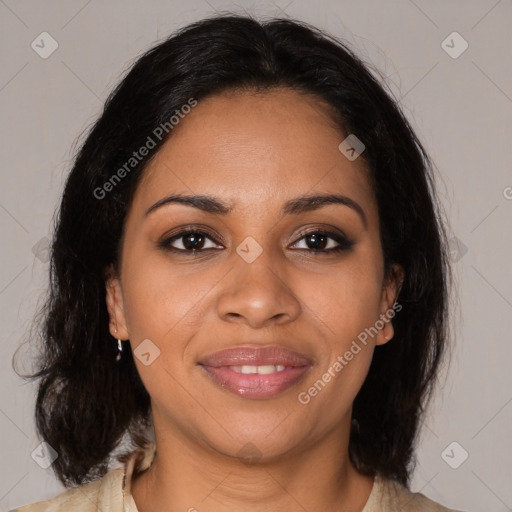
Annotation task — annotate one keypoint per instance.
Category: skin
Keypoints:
(256, 151)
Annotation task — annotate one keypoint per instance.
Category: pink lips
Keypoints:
(219, 366)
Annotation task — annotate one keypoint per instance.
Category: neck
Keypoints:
(188, 476)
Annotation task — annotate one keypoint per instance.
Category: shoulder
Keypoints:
(389, 495)
(85, 498)
(106, 494)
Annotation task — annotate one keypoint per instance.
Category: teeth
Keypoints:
(263, 369)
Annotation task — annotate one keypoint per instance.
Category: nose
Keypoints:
(258, 294)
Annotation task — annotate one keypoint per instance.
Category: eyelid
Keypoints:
(327, 229)
(192, 228)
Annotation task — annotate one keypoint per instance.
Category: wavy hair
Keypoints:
(86, 402)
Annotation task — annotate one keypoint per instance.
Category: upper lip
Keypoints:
(256, 356)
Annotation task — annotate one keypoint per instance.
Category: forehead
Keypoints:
(254, 148)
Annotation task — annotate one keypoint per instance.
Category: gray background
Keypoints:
(461, 108)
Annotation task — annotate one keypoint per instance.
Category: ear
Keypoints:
(115, 306)
(388, 309)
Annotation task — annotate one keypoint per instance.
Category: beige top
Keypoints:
(112, 493)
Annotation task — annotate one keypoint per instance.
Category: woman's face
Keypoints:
(257, 278)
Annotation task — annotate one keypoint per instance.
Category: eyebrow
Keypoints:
(293, 206)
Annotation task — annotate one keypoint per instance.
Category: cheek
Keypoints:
(163, 304)
(345, 307)
(163, 299)
(346, 298)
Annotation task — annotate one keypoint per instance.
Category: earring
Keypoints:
(119, 347)
(119, 350)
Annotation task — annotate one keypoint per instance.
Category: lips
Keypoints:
(256, 356)
(256, 372)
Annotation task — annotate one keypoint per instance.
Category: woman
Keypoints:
(249, 265)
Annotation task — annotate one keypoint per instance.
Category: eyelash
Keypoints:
(344, 243)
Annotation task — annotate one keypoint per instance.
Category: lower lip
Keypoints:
(254, 385)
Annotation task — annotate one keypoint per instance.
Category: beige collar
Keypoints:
(140, 460)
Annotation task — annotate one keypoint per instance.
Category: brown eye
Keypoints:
(193, 241)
